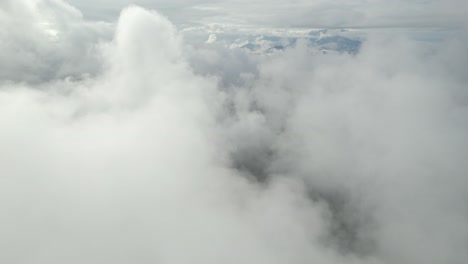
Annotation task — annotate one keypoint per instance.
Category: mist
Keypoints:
(134, 142)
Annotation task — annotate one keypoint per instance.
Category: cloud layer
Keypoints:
(128, 143)
(298, 13)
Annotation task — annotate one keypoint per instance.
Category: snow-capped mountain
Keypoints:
(271, 41)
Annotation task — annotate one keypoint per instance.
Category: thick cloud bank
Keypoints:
(127, 144)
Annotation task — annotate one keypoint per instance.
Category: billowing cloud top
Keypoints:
(142, 141)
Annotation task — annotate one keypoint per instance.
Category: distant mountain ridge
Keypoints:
(320, 40)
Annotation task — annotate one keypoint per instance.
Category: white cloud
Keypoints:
(43, 40)
(159, 150)
(304, 13)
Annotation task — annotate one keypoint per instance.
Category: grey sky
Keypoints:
(306, 13)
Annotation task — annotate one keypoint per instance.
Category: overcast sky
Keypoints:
(304, 13)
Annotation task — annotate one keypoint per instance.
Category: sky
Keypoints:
(150, 132)
(302, 13)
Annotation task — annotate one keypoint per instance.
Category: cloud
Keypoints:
(127, 143)
(299, 13)
(49, 39)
